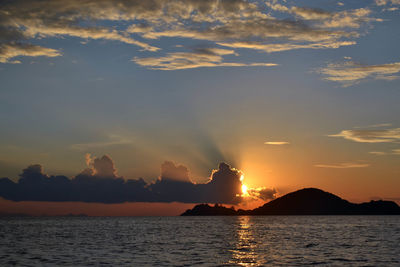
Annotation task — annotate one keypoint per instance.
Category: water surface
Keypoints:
(203, 241)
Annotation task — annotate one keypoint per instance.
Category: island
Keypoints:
(307, 201)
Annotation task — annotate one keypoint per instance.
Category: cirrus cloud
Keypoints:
(377, 153)
(350, 73)
(396, 151)
(370, 136)
(12, 50)
(231, 23)
(276, 143)
(386, 2)
(206, 57)
(112, 140)
(346, 165)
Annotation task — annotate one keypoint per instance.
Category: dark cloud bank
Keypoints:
(100, 183)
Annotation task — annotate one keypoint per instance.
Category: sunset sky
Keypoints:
(290, 94)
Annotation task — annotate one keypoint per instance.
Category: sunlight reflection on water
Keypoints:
(202, 241)
(244, 253)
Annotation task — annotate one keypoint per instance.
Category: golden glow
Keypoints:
(241, 177)
(245, 250)
(244, 189)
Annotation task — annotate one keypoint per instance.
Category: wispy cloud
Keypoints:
(382, 153)
(325, 19)
(269, 48)
(112, 141)
(207, 57)
(377, 153)
(370, 136)
(347, 165)
(386, 2)
(379, 125)
(12, 50)
(350, 73)
(236, 24)
(276, 143)
(391, 9)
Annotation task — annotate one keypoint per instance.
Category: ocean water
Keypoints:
(202, 241)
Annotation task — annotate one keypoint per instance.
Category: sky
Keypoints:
(288, 94)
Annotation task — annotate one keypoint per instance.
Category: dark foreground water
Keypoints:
(209, 241)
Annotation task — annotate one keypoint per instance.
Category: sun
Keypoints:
(244, 189)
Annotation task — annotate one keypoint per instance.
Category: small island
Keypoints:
(307, 201)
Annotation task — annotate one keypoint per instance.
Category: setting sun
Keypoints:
(244, 189)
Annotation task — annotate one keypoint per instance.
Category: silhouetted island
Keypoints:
(307, 201)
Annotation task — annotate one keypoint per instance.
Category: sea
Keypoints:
(201, 241)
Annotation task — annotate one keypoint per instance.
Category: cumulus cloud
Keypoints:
(276, 143)
(101, 183)
(346, 165)
(207, 57)
(233, 23)
(170, 171)
(101, 167)
(350, 73)
(104, 167)
(370, 136)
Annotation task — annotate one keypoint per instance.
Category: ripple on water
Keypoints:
(205, 241)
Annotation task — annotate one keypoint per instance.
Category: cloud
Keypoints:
(352, 19)
(255, 28)
(12, 50)
(104, 167)
(386, 2)
(379, 125)
(381, 153)
(350, 73)
(41, 19)
(207, 57)
(377, 153)
(396, 151)
(342, 165)
(224, 186)
(170, 171)
(270, 48)
(391, 9)
(277, 143)
(113, 140)
(325, 19)
(139, 23)
(262, 193)
(370, 136)
(100, 183)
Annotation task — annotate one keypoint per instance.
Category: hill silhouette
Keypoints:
(307, 201)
